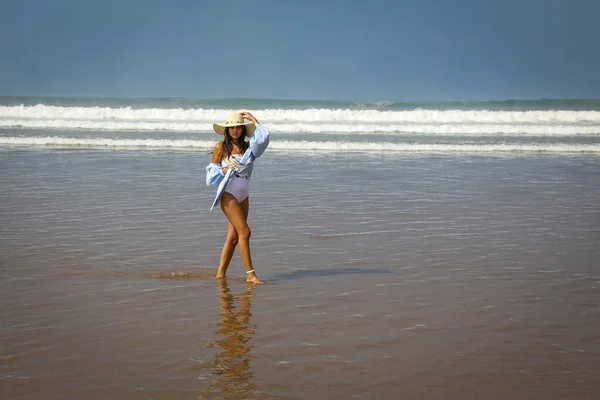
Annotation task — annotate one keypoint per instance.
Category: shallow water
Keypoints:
(419, 276)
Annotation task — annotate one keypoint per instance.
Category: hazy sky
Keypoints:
(304, 49)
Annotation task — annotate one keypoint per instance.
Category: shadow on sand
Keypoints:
(314, 273)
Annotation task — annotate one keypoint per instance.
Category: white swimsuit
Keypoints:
(239, 185)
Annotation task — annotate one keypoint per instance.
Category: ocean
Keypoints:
(551, 126)
(428, 251)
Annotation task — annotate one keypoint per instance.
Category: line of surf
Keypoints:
(331, 146)
(45, 112)
(329, 128)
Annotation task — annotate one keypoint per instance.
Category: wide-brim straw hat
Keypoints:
(235, 119)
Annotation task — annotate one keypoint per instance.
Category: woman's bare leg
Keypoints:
(227, 252)
(237, 214)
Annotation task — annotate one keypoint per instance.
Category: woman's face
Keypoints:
(236, 131)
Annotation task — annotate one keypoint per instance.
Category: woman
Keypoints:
(234, 202)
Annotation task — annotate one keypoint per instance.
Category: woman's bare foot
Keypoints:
(252, 278)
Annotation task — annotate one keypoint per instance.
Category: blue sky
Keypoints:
(421, 50)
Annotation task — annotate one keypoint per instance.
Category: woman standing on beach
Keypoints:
(227, 155)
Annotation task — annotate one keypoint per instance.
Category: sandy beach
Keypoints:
(418, 276)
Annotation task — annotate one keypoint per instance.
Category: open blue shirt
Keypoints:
(258, 143)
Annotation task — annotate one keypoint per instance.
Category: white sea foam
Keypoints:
(57, 141)
(310, 115)
(336, 146)
(456, 122)
(358, 128)
(397, 131)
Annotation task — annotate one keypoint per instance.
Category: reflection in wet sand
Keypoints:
(231, 365)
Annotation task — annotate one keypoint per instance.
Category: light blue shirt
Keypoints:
(258, 144)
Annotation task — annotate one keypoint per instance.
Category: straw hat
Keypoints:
(235, 119)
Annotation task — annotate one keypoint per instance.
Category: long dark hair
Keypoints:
(227, 146)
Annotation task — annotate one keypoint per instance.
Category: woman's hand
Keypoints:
(249, 116)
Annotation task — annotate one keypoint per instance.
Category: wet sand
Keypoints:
(425, 277)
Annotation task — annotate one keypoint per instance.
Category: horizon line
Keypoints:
(305, 100)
